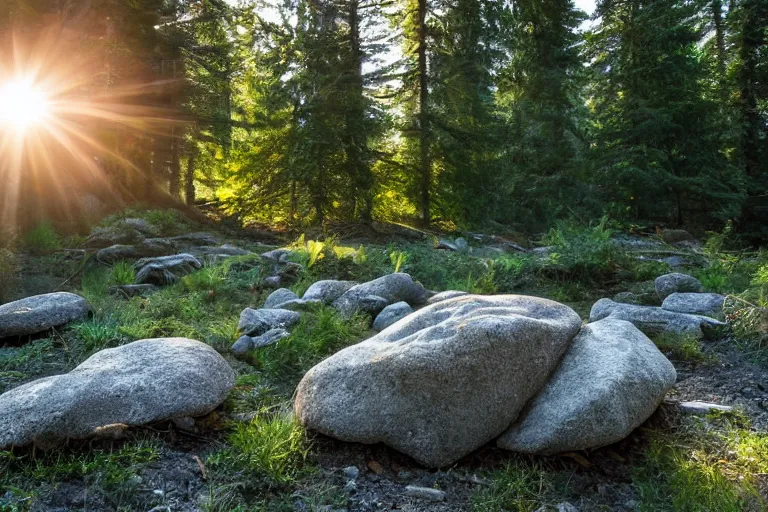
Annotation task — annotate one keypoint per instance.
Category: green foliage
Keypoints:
(398, 259)
(681, 347)
(110, 472)
(123, 273)
(517, 487)
(580, 252)
(271, 450)
(43, 239)
(318, 335)
(96, 335)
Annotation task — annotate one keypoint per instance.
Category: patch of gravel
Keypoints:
(731, 379)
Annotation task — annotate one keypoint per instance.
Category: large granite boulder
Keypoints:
(165, 269)
(255, 322)
(391, 314)
(138, 383)
(444, 380)
(41, 312)
(327, 291)
(654, 321)
(675, 282)
(392, 288)
(708, 304)
(611, 379)
(449, 294)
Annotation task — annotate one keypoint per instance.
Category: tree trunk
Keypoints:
(717, 18)
(174, 177)
(425, 163)
(189, 185)
(752, 40)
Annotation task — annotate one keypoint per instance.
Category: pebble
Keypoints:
(351, 472)
(425, 493)
(351, 486)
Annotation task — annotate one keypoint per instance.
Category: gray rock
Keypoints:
(254, 322)
(702, 408)
(299, 305)
(425, 493)
(41, 312)
(351, 472)
(133, 290)
(219, 251)
(371, 305)
(242, 346)
(654, 321)
(708, 304)
(198, 238)
(443, 381)
(461, 244)
(165, 269)
(119, 233)
(277, 255)
(668, 284)
(391, 314)
(245, 344)
(272, 281)
(446, 245)
(142, 226)
(135, 384)
(627, 298)
(327, 291)
(450, 294)
(608, 383)
(149, 248)
(392, 288)
(278, 297)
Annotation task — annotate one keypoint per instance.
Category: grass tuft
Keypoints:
(516, 487)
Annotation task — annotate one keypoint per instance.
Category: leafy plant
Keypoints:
(398, 259)
(9, 275)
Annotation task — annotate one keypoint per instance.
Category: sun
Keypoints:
(23, 105)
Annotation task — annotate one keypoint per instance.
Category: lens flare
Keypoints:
(22, 105)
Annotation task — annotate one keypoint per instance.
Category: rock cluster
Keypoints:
(387, 299)
(464, 371)
(684, 310)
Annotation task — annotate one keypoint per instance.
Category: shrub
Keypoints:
(681, 347)
(43, 239)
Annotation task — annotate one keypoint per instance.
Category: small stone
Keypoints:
(242, 346)
(425, 493)
(351, 472)
(278, 297)
(272, 282)
(351, 486)
(254, 322)
(566, 507)
(695, 407)
(185, 423)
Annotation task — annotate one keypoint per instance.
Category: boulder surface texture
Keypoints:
(652, 320)
(41, 312)
(609, 382)
(675, 282)
(444, 380)
(138, 383)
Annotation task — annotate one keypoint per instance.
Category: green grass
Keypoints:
(43, 239)
(682, 347)
(111, 472)
(515, 488)
(123, 273)
(9, 275)
(318, 335)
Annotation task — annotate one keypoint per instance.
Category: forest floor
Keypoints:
(251, 456)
